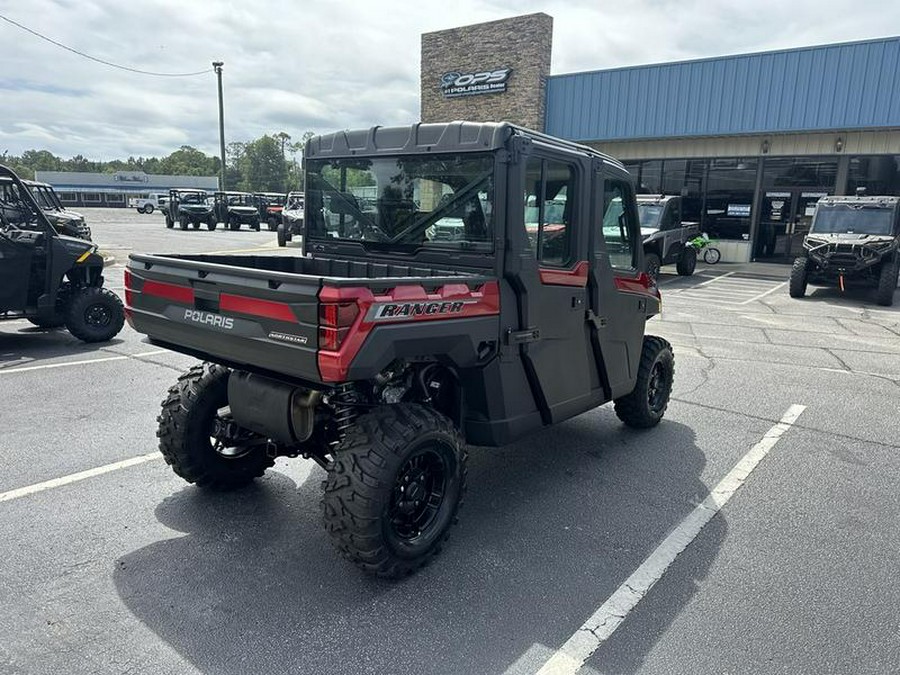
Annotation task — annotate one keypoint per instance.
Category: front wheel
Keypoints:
(170, 223)
(282, 238)
(148, 208)
(645, 406)
(394, 489)
(94, 314)
(687, 261)
(799, 276)
(211, 224)
(199, 440)
(887, 281)
(272, 224)
(711, 255)
(183, 222)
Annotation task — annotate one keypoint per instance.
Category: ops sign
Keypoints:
(455, 84)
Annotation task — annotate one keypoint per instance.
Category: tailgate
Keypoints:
(233, 315)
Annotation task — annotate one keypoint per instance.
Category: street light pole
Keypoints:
(217, 65)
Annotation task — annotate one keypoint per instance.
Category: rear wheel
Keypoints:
(799, 276)
(887, 282)
(94, 314)
(645, 406)
(198, 439)
(394, 489)
(687, 261)
(652, 264)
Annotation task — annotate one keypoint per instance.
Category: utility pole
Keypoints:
(217, 65)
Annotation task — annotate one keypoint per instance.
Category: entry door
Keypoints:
(557, 353)
(778, 208)
(619, 299)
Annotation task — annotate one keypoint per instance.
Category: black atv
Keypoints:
(189, 207)
(51, 279)
(852, 241)
(235, 209)
(63, 221)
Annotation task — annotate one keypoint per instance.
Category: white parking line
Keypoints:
(603, 623)
(75, 477)
(106, 359)
(762, 295)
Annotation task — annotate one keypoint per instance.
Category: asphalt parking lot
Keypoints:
(112, 564)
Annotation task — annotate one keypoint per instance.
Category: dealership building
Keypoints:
(77, 188)
(750, 142)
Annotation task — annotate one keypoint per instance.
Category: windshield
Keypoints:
(42, 198)
(294, 204)
(193, 198)
(419, 201)
(240, 200)
(853, 219)
(650, 214)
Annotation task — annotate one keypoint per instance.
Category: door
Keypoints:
(785, 219)
(555, 348)
(619, 295)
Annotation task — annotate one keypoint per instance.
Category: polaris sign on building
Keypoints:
(456, 84)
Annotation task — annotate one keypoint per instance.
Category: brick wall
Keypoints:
(522, 43)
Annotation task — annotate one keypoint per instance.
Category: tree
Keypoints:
(262, 166)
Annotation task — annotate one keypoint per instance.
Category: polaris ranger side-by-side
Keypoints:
(852, 240)
(386, 349)
(665, 236)
(271, 204)
(17, 209)
(48, 278)
(291, 218)
(234, 209)
(189, 207)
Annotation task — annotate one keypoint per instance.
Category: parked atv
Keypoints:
(271, 204)
(48, 278)
(291, 218)
(665, 236)
(235, 209)
(63, 221)
(852, 241)
(385, 350)
(189, 207)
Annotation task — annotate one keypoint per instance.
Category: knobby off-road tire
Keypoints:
(394, 488)
(887, 282)
(687, 261)
(799, 276)
(169, 223)
(281, 236)
(94, 314)
(652, 264)
(186, 424)
(645, 406)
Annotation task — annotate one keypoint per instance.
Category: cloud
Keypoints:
(321, 66)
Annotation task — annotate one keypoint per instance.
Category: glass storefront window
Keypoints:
(673, 176)
(731, 184)
(808, 172)
(651, 176)
(879, 174)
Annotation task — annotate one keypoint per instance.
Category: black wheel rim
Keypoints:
(97, 315)
(656, 387)
(221, 438)
(418, 495)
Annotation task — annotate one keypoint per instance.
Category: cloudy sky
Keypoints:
(322, 65)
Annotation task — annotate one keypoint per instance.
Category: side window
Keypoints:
(549, 204)
(620, 232)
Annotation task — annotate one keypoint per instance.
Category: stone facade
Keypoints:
(522, 43)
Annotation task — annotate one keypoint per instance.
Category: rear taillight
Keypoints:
(335, 320)
(129, 294)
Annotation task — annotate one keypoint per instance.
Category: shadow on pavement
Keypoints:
(551, 527)
(22, 344)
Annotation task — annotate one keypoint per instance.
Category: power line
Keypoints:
(94, 58)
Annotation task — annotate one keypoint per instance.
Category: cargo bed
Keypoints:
(264, 313)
